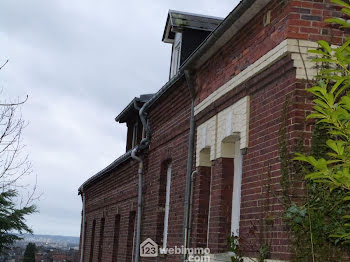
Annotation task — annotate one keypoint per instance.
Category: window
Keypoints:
(134, 134)
(92, 240)
(176, 56)
(167, 206)
(84, 237)
(176, 61)
(131, 236)
(102, 230)
(116, 237)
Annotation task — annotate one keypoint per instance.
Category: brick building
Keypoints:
(205, 147)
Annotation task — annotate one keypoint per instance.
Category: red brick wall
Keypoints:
(200, 209)
(306, 21)
(220, 204)
(169, 120)
(115, 194)
(268, 91)
(261, 165)
(297, 19)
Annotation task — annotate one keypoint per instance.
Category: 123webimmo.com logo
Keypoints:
(149, 248)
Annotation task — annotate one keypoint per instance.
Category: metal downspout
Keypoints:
(191, 207)
(189, 163)
(143, 145)
(83, 229)
(139, 203)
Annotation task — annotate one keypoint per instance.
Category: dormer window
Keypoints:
(130, 116)
(176, 55)
(135, 132)
(186, 31)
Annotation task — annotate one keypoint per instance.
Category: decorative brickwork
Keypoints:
(233, 120)
(288, 21)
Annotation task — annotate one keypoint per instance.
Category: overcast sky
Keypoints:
(81, 62)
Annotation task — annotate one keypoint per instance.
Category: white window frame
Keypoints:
(167, 207)
(237, 185)
(134, 135)
(176, 55)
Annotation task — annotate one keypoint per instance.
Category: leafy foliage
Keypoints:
(318, 213)
(331, 172)
(14, 165)
(264, 253)
(233, 246)
(12, 219)
(29, 253)
(346, 10)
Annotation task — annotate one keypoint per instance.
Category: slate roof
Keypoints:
(130, 109)
(177, 20)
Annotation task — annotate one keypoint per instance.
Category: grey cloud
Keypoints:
(81, 62)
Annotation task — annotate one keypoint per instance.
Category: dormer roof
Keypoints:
(178, 20)
(130, 110)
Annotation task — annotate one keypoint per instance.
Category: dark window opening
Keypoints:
(84, 237)
(131, 236)
(134, 134)
(92, 240)
(163, 206)
(100, 248)
(116, 238)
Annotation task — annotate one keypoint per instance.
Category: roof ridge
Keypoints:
(196, 14)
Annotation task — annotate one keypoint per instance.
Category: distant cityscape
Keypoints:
(50, 248)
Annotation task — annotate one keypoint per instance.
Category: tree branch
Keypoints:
(15, 104)
(1, 67)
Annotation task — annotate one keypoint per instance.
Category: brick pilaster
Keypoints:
(220, 204)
